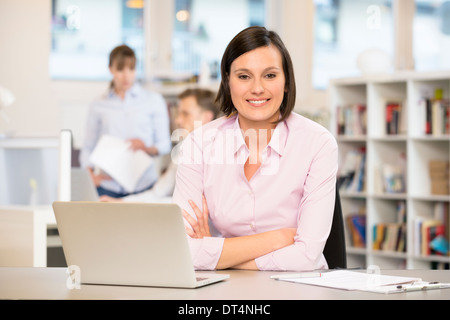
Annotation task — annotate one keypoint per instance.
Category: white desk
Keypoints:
(23, 235)
(50, 283)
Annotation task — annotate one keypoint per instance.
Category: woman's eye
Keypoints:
(243, 76)
(271, 75)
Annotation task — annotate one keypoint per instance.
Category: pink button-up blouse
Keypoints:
(294, 187)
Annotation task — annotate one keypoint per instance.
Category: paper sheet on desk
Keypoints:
(352, 280)
(114, 156)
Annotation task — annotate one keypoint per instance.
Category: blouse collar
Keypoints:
(277, 141)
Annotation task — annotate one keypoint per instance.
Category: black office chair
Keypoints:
(334, 251)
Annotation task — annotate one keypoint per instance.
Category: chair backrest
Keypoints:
(334, 251)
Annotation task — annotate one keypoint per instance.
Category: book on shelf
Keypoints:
(352, 120)
(391, 236)
(401, 211)
(431, 235)
(436, 114)
(352, 175)
(356, 224)
(393, 116)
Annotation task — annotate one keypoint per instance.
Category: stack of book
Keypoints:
(431, 235)
(391, 236)
(439, 176)
(352, 120)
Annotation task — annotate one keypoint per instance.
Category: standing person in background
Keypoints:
(195, 107)
(129, 112)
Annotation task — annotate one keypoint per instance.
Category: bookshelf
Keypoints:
(387, 136)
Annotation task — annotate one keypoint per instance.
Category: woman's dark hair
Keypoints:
(245, 41)
(122, 55)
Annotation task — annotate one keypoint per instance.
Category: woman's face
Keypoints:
(124, 78)
(257, 86)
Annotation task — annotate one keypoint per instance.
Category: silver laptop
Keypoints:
(82, 187)
(139, 244)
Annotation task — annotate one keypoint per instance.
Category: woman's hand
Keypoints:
(138, 144)
(98, 178)
(200, 227)
(105, 198)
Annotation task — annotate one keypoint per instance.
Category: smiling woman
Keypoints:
(257, 87)
(269, 206)
(252, 41)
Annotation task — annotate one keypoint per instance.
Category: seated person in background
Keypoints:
(195, 107)
(129, 112)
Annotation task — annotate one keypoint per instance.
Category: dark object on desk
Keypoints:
(334, 251)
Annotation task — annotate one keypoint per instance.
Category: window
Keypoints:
(343, 30)
(203, 29)
(84, 32)
(431, 35)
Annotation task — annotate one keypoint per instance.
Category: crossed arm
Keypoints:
(238, 252)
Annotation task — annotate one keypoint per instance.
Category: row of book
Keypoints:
(437, 116)
(352, 173)
(392, 236)
(386, 236)
(389, 237)
(431, 235)
(352, 120)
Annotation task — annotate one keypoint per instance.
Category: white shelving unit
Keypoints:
(28, 186)
(419, 148)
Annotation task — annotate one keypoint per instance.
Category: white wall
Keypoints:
(24, 51)
(296, 28)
